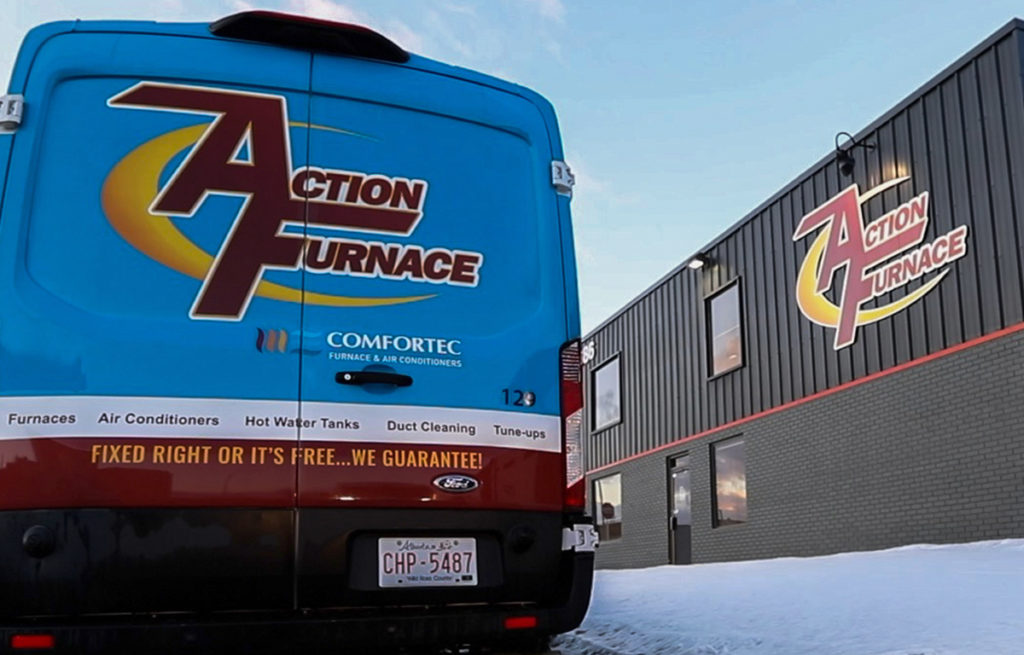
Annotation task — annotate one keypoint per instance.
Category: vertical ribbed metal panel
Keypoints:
(928, 335)
(760, 319)
(961, 138)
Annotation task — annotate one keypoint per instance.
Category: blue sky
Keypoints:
(678, 117)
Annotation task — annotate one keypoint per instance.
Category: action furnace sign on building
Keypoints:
(876, 258)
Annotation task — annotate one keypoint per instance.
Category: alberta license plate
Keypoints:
(426, 562)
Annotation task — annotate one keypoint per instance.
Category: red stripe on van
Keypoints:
(126, 472)
(404, 474)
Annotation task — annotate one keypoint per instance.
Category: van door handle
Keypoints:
(372, 377)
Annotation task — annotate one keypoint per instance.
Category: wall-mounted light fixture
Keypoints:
(844, 153)
(699, 261)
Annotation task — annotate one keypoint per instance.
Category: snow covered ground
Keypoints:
(965, 599)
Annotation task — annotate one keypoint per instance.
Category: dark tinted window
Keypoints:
(608, 507)
(724, 330)
(607, 406)
(730, 482)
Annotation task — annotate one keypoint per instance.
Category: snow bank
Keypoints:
(964, 599)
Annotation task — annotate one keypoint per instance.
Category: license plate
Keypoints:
(426, 562)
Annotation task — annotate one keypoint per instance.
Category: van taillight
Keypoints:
(32, 642)
(306, 33)
(572, 424)
(520, 622)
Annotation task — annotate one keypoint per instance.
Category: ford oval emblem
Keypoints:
(456, 483)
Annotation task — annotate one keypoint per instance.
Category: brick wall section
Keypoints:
(929, 454)
(644, 539)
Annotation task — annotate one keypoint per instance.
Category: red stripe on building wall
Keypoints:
(821, 394)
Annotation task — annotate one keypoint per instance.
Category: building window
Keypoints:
(730, 482)
(725, 330)
(607, 405)
(608, 507)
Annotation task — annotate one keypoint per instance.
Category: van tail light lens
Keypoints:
(32, 642)
(520, 622)
(305, 33)
(572, 424)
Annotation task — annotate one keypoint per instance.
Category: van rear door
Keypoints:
(148, 417)
(434, 313)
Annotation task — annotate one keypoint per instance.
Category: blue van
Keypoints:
(289, 349)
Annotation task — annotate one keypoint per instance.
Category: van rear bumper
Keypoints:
(380, 630)
(236, 580)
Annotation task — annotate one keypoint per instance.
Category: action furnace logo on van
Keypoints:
(222, 160)
(871, 256)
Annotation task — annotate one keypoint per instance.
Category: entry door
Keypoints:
(680, 522)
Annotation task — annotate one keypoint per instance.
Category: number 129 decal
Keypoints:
(519, 398)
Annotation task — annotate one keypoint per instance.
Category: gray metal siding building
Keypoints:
(877, 403)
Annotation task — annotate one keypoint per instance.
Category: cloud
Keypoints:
(585, 181)
(455, 8)
(168, 8)
(454, 31)
(585, 255)
(394, 29)
(404, 36)
(327, 10)
(553, 9)
(464, 39)
(340, 12)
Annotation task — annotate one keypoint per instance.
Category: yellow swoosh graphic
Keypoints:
(134, 182)
(822, 311)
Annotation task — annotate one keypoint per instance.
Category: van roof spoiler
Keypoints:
(306, 33)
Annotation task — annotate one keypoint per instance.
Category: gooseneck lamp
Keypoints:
(844, 152)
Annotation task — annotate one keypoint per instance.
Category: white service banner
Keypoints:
(24, 417)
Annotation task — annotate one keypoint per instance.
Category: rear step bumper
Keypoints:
(229, 579)
(393, 630)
